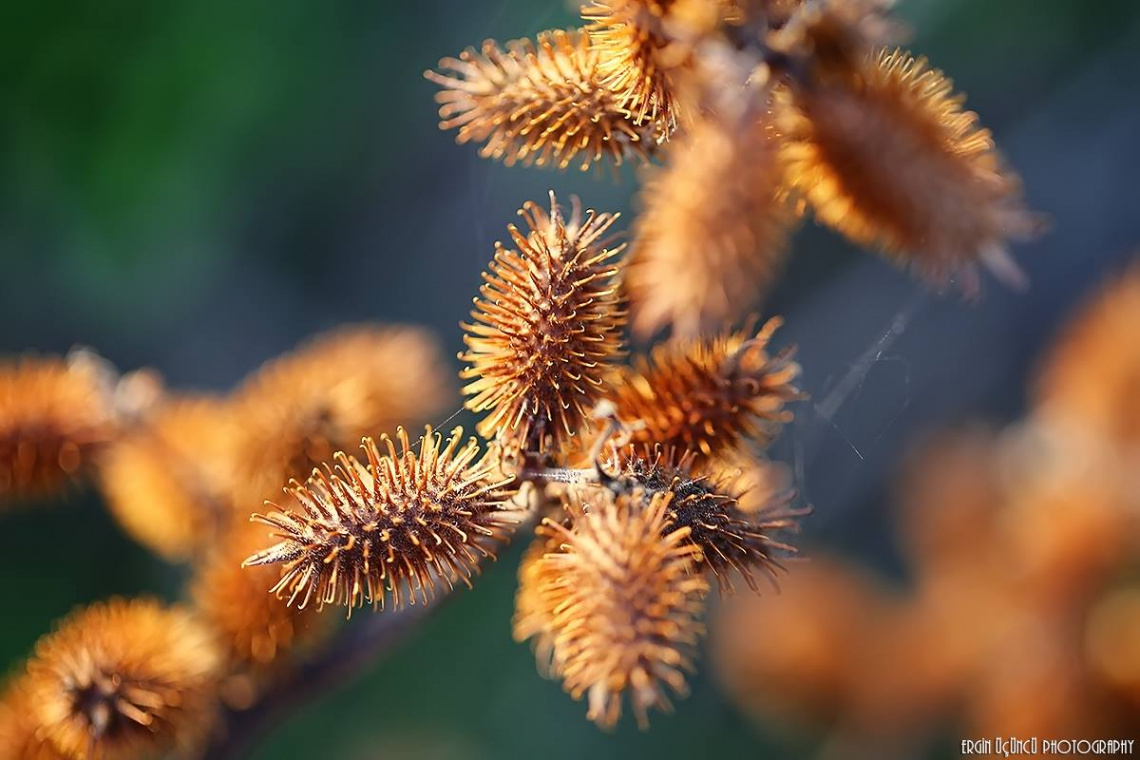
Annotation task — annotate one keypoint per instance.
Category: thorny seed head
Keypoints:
(829, 39)
(626, 603)
(402, 523)
(706, 395)
(714, 227)
(640, 44)
(20, 728)
(546, 330)
(540, 102)
(54, 415)
(889, 158)
(1089, 381)
(730, 539)
(255, 629)
(167, 482)
(124, 679)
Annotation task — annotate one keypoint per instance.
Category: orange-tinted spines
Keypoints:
(888, 157)
(20, 728)
(626, 604)
(254, 629)
(713, 229)
(298, 410)
(708, 395)
(168, 481)
(732, 541)
(1088, 383)
(55, 414)
(124, 679)
(539, 102)
(402, 523)
(546, 329)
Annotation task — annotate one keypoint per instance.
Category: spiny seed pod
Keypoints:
(54, 415)
(706, 395)
(636, 53)
(20, 728)
(403, 522)
(1088, 383)
(546, 330)
(890, 159)
(795, 654)
(713, 230)
(729, 538)
(539, 102)
(626, 603)
(253, 627)
(167, 481)
(300, 409)
(124, 679)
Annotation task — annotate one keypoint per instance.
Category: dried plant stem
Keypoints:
(560, 475)
(345, 657)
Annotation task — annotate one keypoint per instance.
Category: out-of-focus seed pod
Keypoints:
(888, 157)
(298, 410)
(168, 481)
(124, 679)
(714, 227)
(20, 727)
(55, 414)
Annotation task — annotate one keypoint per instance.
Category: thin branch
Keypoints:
(339, 661)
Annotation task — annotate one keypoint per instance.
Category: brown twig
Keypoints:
(342, 659)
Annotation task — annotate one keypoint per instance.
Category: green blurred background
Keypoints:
(196, 186)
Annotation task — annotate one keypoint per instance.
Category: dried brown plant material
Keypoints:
(1112, 642)
(830, 39)
(1088, 387)
(546, 329)
(298, 410)
(1068, 536)
(707, 395)
(713, 230)
(254, 628)
(539, 102)
(949, 492)
(55, 413)
(889, 158)
(1038, 686)
(124, 679)
(640, 44)
(19, 726)
(792, 656)
(731, 540)
(759, 483)
(778, 12)
(626, 603)
(167, 481)
(404, 523)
